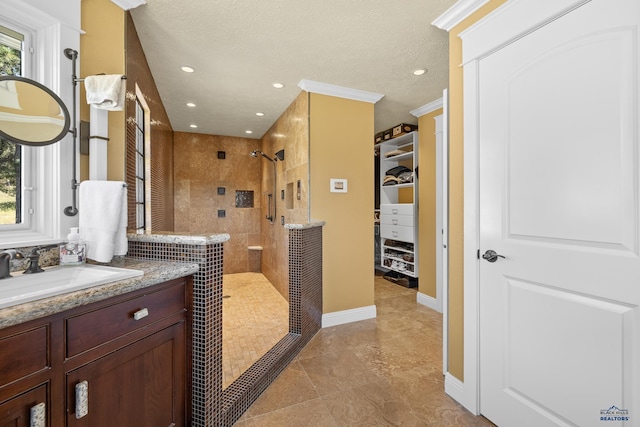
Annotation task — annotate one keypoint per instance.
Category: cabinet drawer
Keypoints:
(397, 232)
(23, 354)
(404, 220)
(91, 329)
(397, 209)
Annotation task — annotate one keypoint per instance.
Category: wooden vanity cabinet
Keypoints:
(28, 409)
(127, 362)
(26, 378)
(129, 356)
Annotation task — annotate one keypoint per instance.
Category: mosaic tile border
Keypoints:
(211, 406)
(207, 319)
(305, 319)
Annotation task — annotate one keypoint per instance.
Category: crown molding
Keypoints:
(339, 91)
(457, 13)
(428, 108)
(129, 4)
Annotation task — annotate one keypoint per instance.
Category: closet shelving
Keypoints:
(399, 206)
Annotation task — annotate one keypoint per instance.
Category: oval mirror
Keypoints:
(30, 113)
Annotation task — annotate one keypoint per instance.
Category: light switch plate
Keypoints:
(338, 185)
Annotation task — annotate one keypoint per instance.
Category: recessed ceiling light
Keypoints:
(191, 104)
(259, 114)
(278, 85)
(193, 126)
(419, 71)
(187, 69)
(248, 131)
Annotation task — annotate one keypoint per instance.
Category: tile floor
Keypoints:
(378, 372)
(254, 318)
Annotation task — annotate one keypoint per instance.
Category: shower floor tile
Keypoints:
(254, 318)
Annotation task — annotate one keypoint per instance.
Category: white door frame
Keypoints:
(506, 24)
(442, 222)
(436, 303)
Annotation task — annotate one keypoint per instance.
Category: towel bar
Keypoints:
(75, 184)
(77, 80)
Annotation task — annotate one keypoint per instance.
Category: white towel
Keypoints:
(106, 92)
(103, 219)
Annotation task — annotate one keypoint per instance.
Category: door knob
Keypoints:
(491, 256)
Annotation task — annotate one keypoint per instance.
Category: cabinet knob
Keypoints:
(140, 314)
(38, 415)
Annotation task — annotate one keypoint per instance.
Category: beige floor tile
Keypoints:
(372, 404)
(312, 413)
(338, 371)
(338, 338)
(379, 372)
(291, 387)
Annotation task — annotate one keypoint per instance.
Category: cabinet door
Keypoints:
(142, 384)
(26, 410)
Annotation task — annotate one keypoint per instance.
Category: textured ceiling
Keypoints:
(238, 48)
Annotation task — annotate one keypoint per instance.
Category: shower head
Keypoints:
(255, 153)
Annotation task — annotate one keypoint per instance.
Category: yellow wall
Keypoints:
(427, 203)
(456, 192)
(341, 144)
(102, 50)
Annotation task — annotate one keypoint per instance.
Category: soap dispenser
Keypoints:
(72, 252)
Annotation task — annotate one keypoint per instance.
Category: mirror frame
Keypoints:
(67, 118)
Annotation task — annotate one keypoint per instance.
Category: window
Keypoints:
(15, 205)
(140, 176)
(44, 187)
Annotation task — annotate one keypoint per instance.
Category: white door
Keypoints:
(559, 199)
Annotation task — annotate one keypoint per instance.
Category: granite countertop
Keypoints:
(154, 272)
(313, 224)
(175, 237)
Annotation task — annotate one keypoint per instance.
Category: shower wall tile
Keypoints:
(254, 238)
(290, 132)
(238, 247)
(200, 173)
(160, 160)
(182, 204)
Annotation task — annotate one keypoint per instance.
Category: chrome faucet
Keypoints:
(5, 257)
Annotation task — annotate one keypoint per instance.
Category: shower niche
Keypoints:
(289, 196)
(244, 199)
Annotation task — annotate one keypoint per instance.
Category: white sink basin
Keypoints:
(59, 280)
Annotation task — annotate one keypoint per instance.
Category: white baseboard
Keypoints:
(454, 387)
(348, 316)
(429, 301)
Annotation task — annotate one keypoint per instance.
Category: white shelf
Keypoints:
(399, 157)
(395, 248)
(396, 186)
(390, 195)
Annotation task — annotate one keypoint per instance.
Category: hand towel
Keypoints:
(106, 92)
(103, 219)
